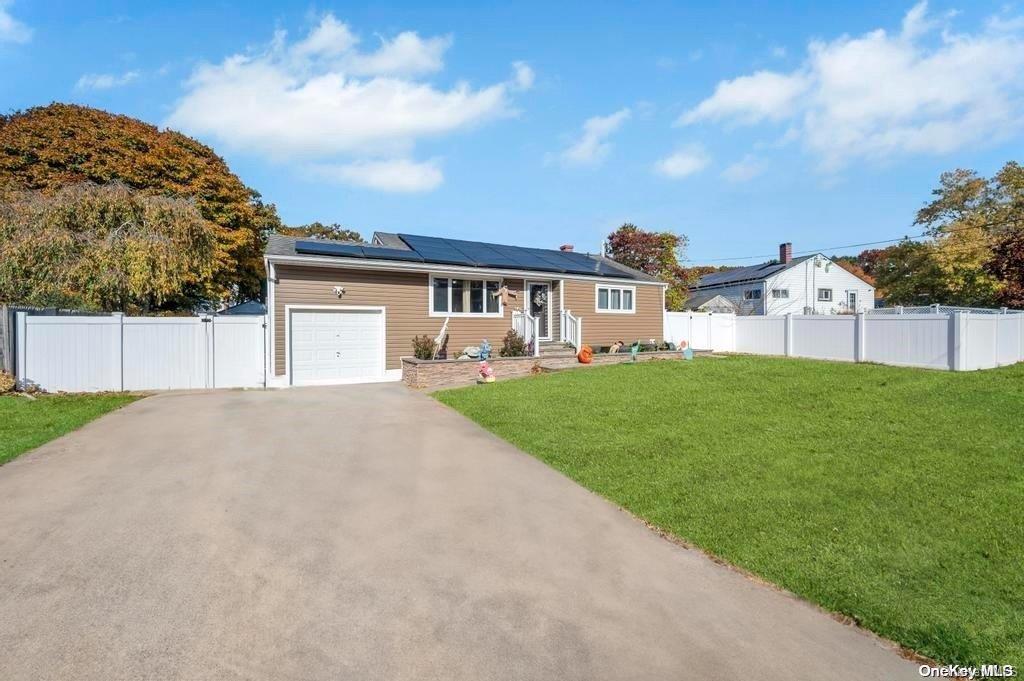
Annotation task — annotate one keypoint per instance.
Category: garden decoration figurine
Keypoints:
(505, 293)
(485, 350)
(684, 347)
(486, 373)
(615, 347)
(633, 350)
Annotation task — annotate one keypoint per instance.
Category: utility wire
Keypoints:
(866, 243)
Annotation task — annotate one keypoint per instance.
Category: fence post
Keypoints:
(899, 309)
(957, 341)
(119, 316)
(21, 345)
(788, 339)
(859, 337)
(6, 342)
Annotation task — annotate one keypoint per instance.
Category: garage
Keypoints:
(341, 345)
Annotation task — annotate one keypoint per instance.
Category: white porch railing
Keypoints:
(527, 326)
(571, 329)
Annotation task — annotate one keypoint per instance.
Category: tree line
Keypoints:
(104, 212)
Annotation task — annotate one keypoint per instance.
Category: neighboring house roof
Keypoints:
(251, 307)
(711, 300)
(750, 273)
(411, 248)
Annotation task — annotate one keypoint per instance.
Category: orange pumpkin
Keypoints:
(586, 355)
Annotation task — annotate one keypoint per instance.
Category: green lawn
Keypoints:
(894, 496)
(25, 424)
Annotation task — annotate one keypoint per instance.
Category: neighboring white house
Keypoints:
(810, 284)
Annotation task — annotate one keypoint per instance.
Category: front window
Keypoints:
(825, 295)
(752, 294)
(464, 296)
(780, 293)
(616, 299)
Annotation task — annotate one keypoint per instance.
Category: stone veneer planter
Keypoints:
(433, 373)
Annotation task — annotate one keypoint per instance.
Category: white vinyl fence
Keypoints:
(89, 354)
(957, 340)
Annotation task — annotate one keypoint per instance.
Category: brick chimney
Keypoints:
(785, 253)
(565, 248)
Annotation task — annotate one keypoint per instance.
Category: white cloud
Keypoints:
(322, 98)
(592, 145)
(12, 30)
(683, 163)
(105, 81)
(750, 99)
(523, 76)
(406, 54)
(744, 170)
(401, 175)
(880, 95)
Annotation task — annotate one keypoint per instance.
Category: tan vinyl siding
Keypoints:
(403, 294)
(604, 329)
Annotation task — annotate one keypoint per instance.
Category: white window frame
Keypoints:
(752, 294)
(824, 300)
(610, 288)
(474, 315)
(777, 293)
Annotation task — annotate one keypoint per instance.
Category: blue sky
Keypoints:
(740, 125)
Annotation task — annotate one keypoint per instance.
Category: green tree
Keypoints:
(105, 248)
(654, 253)
(51, 147)
(318, 230)
(962, 219)
(908, 275)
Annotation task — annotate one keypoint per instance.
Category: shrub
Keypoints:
(423, 347)
(6, 382)
(513, 345)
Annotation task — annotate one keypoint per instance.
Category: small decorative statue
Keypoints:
(505, 293)
(486, 373)
(633, 350)
(485, 350)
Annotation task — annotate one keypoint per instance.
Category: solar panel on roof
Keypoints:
(325, 248)
(436, 250)
(606, 270)
(377, 252)
(485, 255)
(479, 254)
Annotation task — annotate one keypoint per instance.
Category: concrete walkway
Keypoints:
(363, 532)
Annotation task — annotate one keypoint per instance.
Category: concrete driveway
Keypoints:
(363, 532)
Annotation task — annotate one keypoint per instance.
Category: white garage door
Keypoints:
(329, 346)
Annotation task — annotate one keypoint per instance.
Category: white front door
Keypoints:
(851, 300)
(336, 346)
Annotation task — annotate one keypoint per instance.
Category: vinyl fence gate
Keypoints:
(101, 353)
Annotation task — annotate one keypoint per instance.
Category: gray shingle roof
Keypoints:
(750, 273)
(704, 298)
